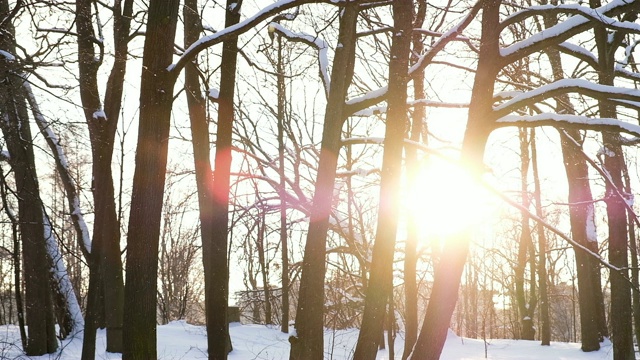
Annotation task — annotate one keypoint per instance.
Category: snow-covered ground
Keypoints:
(181, 341)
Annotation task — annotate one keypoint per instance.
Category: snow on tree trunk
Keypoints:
(63, 286)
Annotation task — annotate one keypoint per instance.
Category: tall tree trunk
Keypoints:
(582, 221)
(308, 343)
(621, 325)
(201, 153)
(156, 96)
(635, 271)
(106, 286)
(545, 324)
(377, 296)
(525, 308)
(411, 158)
(69, 314)
(17, 268)
(216, 297)
(264, 269)
(17, 134)
(282, 96)
(449, 270)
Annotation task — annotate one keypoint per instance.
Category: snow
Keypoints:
(61, 160)
(60, 274)
(315, 41)
(567, 25)
(585, 122)
(234, 30)
(592, 234)
(179, 340)
(99, 114)
(7, 55)
(568, 85)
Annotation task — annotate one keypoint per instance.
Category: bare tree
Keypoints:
(156, 97)
(379, 294)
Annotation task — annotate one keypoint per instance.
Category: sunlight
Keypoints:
(447, 200)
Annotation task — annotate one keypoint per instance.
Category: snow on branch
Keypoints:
(438, 104)
(7, 56)
(565, 86)
(561, 31)
(579, 52)
(569, 121)
(377, 110)
(313, 41)
(238, 29)
(586, 13)
(73, 198)
(357, 172)
(590, 58)
(362, 140)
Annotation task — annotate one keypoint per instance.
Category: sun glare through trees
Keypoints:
(296, 164)
(449, 199)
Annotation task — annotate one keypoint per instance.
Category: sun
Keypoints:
(446, 199)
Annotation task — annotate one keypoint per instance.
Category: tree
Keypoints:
(308, 342)
(411, 159)
(106, 287)
(526, 251)
(156, 97)
(616, 205)
(17, 133)
(581, 214)
(379, 289)
(545, 321)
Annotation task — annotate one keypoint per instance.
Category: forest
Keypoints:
(400, 167)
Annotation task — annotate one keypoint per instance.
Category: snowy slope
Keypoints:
(179, 340)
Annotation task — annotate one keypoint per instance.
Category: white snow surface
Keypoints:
(179, 340)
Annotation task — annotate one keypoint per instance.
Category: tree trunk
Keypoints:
(264, 268)
(216, 297)
(308, 342)
(525, 308)
(106, 286)
(411, 158)
(284, 323)
(545, 324)
(156, 96)
(581, 213)
(17, 280)
(449, 269)
(621, 325)
(377, 296)
(17, 134)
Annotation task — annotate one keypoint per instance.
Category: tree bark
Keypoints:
(449, 270)
(106, 286)
(526, 307)
(621, 324)
(379, 289)
(17, 134)
(581, 218)
(411, 157)
(308, 343)
(216, 297)
(282, 96)
(545, 323)
(156, 96)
